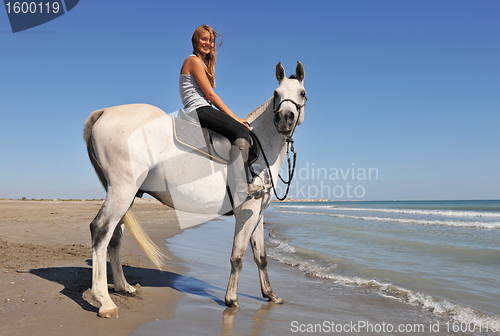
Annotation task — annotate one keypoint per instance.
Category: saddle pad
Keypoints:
(208, 142)
(199, 140)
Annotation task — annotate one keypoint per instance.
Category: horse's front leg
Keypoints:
(246, 219)
(260, 257)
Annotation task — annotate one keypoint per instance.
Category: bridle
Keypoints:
(297, 106)
(289, 140)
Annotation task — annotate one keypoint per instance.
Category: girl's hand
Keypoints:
(244, 122)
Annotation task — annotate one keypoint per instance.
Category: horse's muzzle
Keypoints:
(284, 121)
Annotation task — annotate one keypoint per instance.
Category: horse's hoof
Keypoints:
(232, 303)
(277, 300)
(273, 298)
(128, 289)
(109, 313)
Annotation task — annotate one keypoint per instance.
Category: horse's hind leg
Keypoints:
(260, 257)
(102, 229)
(119, 281)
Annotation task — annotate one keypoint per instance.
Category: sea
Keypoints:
(363, 268)
(441, 255)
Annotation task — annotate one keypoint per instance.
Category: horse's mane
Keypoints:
(258, 111)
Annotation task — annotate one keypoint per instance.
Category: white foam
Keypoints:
(457, 223)
(285, 253)
(444, 213)
(282, 245)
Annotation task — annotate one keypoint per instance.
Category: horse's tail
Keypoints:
(133, 226)
(152, 251)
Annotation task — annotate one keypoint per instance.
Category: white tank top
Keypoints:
(191, 94)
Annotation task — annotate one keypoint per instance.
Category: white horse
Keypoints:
(132, 148)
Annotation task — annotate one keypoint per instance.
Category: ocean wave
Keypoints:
(285, 253)
(443, 213)
(456, 223)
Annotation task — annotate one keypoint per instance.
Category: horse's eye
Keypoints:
(275, 94)
(303, 94)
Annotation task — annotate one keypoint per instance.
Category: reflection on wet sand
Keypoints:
(229, 314)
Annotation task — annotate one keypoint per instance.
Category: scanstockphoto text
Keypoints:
(316, 182)
(433, 327)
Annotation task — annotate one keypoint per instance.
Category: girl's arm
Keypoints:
(197, 68)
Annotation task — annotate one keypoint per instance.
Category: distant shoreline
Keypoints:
(315, 200)
(67, 199)
(149, 199)
(53, 199)
(273, 201)
(301, 200)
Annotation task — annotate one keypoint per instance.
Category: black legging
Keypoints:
(222, 123)
(238, 177)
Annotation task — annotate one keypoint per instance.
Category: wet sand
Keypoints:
(312, 306)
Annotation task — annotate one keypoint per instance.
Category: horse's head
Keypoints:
(289, 100)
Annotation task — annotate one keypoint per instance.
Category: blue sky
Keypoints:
(409, 88)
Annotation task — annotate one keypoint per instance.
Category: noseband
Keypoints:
(297, 106)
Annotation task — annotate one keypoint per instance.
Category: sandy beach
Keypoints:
(45, 280)
(45, 270)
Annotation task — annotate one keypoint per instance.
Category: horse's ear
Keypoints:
(280, 72)
(299, 71)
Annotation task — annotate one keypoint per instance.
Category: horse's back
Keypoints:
(126, 118)
(115, 130)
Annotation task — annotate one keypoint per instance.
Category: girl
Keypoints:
(196, 85)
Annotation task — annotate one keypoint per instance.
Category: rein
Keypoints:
(289, 140)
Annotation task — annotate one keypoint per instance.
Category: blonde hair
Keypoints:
(210, 59)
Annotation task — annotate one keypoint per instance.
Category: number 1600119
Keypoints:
(32, 7)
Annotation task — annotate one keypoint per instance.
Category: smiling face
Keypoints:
(205, 42)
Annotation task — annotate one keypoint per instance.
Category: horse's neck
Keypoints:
(273, 144)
